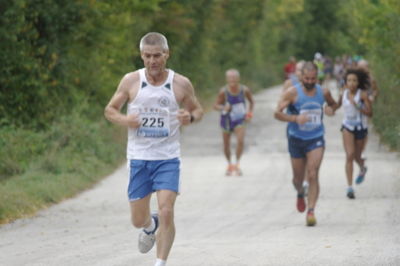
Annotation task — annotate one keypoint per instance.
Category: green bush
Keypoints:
(18, 147)
(42, 168)
(375, 25)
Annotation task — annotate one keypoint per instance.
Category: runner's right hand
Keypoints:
(227, 108)
(302, 119)
(133, 120)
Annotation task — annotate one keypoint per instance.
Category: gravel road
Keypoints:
(232, 221)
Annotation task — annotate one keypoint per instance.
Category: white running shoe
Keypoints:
(147, 239)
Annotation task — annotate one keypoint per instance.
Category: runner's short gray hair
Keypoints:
(233, 71)
(154, 38)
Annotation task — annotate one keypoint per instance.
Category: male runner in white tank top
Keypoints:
(154, 95)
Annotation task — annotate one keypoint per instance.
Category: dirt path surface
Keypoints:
(248, 220)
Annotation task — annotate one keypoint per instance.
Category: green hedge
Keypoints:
(43, 168)
(376, 27)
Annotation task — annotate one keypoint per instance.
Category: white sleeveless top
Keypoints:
(353, 118)
(158, 136)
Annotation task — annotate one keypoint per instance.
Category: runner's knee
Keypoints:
(240, 142)
(227, 150)
(166, 215)
(139, 221)
(350, 156)
(297, 180)
(312, 176)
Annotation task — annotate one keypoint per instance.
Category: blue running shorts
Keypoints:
(298, 148)
(146, 177)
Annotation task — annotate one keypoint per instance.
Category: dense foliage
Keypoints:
(376, 26)
(57, 53)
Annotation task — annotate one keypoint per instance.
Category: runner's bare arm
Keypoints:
(339, 102)
(249, 97)
(287, 98)
(192, 111)
(220, 102)
(113, 109)
(340, 99)
(332, 105)
(367, 109)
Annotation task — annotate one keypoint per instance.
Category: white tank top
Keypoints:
(353, 118)
(158, 136)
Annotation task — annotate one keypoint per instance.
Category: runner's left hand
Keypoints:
(249, 116)
(183, 117)
(329, 111)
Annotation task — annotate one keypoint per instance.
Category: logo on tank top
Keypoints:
(163, 101)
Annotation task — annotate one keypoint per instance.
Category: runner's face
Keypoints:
(232, 79)
(309, 78)
(154, 59)
(352, 82)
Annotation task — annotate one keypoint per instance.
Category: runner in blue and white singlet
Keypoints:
(159, 101)
(304, 103)
(312, 106)
(295, 80)
(158, 136)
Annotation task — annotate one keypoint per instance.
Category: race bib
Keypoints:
(352, 120)
(155, 123)
(314, 119)
(238, 111)
(352, 116)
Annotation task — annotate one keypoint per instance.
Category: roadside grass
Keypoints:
(38, 169)
(386, 117)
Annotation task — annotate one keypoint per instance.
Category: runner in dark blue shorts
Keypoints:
(305, 102)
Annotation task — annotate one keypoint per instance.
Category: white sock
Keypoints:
(151, 227)
(160, 262)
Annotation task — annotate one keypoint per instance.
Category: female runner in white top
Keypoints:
(357, 107)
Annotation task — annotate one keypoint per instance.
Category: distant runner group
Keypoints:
(302, 106)
(160, 101)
